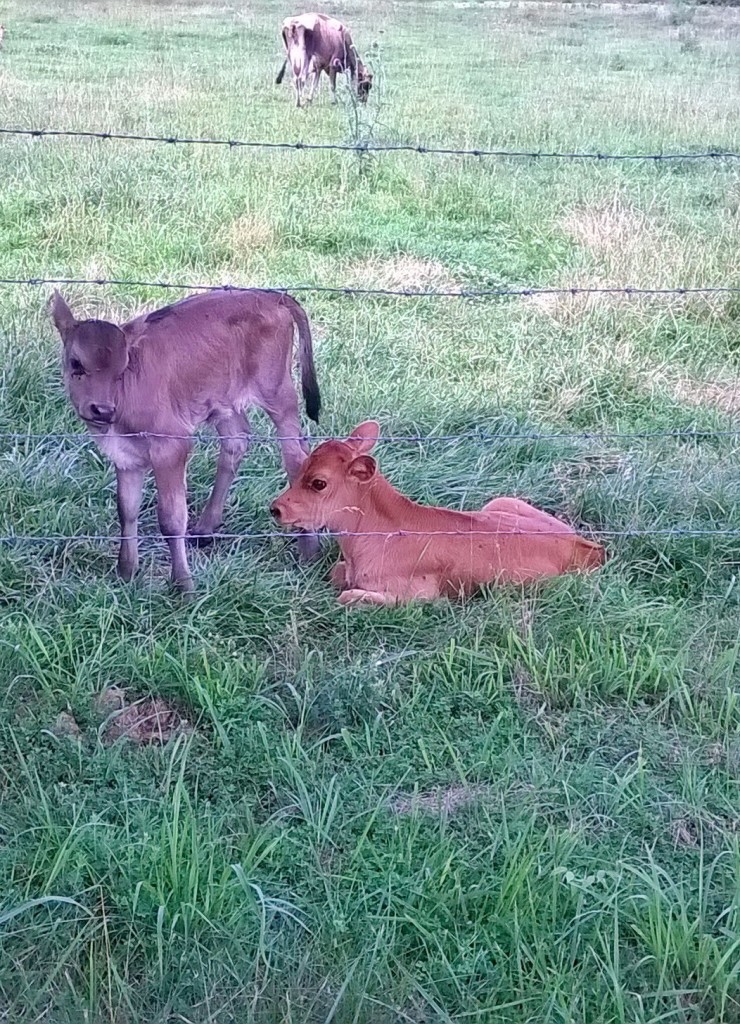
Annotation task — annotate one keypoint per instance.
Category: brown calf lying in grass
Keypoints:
(416, 552)
(205, 359)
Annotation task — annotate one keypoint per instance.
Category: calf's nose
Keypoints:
(101, 411)
(275, 511)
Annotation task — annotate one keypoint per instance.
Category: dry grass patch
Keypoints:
(610, 228)
(247, 233)
(403, 272)
(624, 247)
(722, 395)
(443, 800)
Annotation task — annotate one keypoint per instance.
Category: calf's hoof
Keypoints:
(126, 571)
(185, 587)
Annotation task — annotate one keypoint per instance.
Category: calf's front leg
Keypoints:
(355, 597)
(338, 575)
(130, 488)
(169, 463)
(398, 591)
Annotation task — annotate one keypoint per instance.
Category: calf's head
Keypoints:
(333, 483)
(95, 357)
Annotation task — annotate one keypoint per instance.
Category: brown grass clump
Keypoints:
(403, 272)
(444, 800)
(144, 721)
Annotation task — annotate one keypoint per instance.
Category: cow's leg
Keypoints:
(282, 408)
(130, 488)
(333, 84)
(312, 83)
(234, 433)
(169, 461)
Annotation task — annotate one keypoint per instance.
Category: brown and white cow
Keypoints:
(205, 359)
(316, 43)
(394, 550)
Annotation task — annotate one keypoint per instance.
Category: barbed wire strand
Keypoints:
(388, 534)
(690, 434)
(368, 147)
(350, 290)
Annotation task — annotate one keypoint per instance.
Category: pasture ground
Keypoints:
(520, 809)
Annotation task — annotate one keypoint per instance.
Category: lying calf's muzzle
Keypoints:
(276, 511)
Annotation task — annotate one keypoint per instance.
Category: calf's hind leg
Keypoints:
(282, 408)
(234, 433)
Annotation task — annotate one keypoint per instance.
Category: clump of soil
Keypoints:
(144, 721)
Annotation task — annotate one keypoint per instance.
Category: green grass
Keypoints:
(520, 809)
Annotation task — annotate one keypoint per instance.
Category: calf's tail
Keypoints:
(281, 72)
(309, 384)
(587, 555)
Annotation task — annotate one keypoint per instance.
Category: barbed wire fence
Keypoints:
(490, 293)
(369, 147)
(626, 291)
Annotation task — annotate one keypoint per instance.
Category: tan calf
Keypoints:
(206, 359)
(415, 552)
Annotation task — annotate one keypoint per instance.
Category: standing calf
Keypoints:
(394, 550)
(205, 359)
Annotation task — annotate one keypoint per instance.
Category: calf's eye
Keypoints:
(76, 367)
(318, 485)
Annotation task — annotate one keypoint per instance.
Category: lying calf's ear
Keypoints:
(364, 437)
(362, 468)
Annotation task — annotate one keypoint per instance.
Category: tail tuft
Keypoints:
(281, 73)
(309, 384)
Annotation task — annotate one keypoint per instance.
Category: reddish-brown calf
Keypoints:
(206, 359)
(414, 552)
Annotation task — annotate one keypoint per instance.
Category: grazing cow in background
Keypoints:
(316, 43)
(2, 36)
(205, 359)
(416, 552)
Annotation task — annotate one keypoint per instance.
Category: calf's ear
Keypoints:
(364, 437)
(362, 468)
(61, 315)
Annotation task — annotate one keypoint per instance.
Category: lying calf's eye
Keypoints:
(76, 367)
(318, 485)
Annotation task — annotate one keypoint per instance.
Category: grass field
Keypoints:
(521, 809)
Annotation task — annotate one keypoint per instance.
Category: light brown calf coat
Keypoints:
(206, 359)
(416, 552)
(316, 43)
